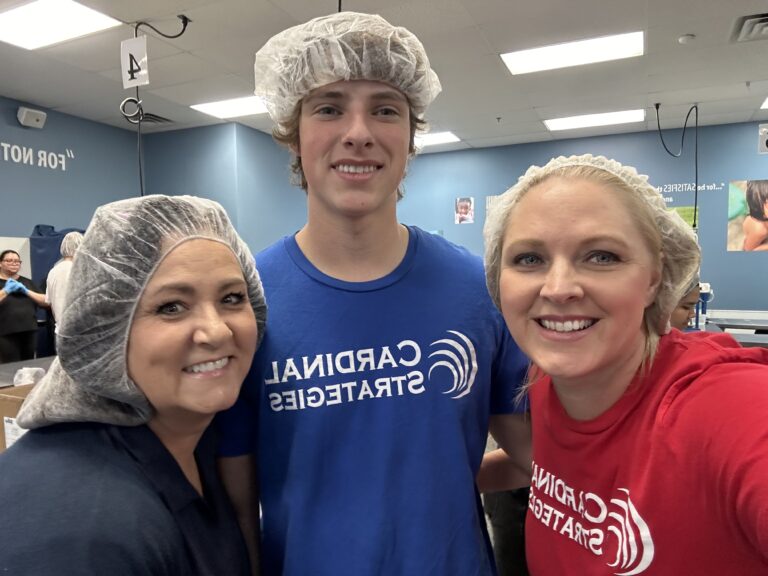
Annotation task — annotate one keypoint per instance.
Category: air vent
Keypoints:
(749, 28)
(155, 119)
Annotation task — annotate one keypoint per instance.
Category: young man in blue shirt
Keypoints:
(368, 405)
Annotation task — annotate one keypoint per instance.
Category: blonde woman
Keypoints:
(650, 449)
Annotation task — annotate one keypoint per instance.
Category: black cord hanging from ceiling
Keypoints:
(137, 116)
(694, 108)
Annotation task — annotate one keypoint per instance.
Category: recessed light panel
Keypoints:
(247, 106)
(575, 53)
(434, 138)
(47, 22)
(589, 120)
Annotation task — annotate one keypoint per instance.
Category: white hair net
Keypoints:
(70, 243)
(691, 285)
(343, 46)
(123, 246)
(680, 251)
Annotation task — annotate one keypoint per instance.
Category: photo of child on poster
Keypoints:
(748, 215)
(464, 211)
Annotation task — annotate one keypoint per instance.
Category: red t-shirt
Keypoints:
(672, 480)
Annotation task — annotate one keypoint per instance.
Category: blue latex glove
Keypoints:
(12, 286)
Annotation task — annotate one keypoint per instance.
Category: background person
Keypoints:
(118, 475)
(368, 404)
(650, 449)
(56, 283)
(685, 311)
(19, 298)
(505, 490)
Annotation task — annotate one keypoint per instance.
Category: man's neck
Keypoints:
(354, 251)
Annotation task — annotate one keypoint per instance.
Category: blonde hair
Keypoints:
(671, 242)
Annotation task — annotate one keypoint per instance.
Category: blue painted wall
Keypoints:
(83, 165)
(269, 206)
(244, 170)
(726, 153)
(235, 165)
(197, 162)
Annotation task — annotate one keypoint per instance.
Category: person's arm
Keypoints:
(498, 473)
(3, 294)
(755, 233)
(238, 474)
(509, 468)
(38, 299)
(723, 428)
(22, 287)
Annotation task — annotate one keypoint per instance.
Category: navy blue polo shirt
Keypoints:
(85, 499)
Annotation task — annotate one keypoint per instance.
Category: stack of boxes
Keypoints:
(11, 399)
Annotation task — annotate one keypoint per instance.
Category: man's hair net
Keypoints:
(125, 243)
(70, 243)
(343, 46)
(680, 253)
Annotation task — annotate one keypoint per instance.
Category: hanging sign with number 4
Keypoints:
(133, 61)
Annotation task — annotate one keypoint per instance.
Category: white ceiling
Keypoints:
(481, 102)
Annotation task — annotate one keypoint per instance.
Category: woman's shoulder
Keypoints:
(754, 226)
(99, 497)
(82, 460)
(714, 384)
(696, 351)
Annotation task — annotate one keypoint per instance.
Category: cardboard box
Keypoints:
(11, 399)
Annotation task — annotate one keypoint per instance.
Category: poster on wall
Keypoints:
(748, 215)
(686, 213)
(464, 210)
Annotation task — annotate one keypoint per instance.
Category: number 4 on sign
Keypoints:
(133, 61)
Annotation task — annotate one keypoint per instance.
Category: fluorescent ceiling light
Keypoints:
(605, 119)
(47, 22)
(575, 53)
(433, 138)
(765, 105)
(246, 106)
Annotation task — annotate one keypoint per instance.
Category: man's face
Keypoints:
(354, 138)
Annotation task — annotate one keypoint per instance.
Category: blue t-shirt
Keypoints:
(368, 407)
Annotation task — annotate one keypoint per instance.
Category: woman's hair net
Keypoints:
(70, 243)
(680, 253)
(343, 46)
(691, 286)
(125, 243)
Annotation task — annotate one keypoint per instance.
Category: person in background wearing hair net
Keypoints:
(117, 475)
(369, 401)
(650, 448)
(685, 311)
(19, 299)
(56, 283)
